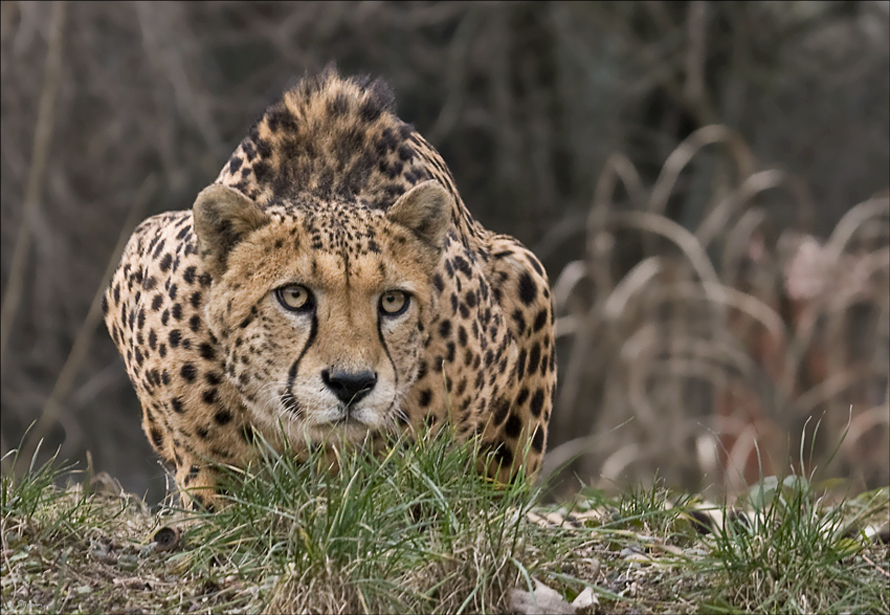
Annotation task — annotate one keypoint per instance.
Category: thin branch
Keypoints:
(42, 138)
(85, 334)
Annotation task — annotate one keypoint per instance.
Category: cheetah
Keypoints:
(331, 286)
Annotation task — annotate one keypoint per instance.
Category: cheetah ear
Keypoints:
(222, 218)
(426, 211)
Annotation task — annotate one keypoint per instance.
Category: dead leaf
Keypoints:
(539, 602)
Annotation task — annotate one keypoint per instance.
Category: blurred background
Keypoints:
(706, 183)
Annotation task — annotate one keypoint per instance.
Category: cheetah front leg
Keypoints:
(518, 421)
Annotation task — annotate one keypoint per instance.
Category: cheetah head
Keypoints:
(320, 312)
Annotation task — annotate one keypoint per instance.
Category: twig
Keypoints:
(85, 334)
(878, 568)
(694, 87)
(43, 133)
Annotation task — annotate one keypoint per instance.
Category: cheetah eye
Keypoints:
(294, 297)
(394, 302)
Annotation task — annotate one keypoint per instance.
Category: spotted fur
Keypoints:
(331, 194)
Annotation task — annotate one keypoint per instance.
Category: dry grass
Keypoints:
(418, 531)
(716, 348)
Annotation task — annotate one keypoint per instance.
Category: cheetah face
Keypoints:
(320, 311)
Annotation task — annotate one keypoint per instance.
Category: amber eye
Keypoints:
(394, 302)
(294, 297)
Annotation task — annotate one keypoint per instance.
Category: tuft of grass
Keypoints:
(414, 531)
(417, 530)
(796, 551)
(54, 540)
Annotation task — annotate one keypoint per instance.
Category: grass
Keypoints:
(419, 531)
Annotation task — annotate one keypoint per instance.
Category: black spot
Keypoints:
(501, 410)
(173, 289)
(200, 504)
(195, 323)
(519, 320)
(189, 275)
(247, 320)
(248, 434)
(528, 291)
(463, 266)
(468, 357)
(152, 339)
(158, 248)
(176, 404)
(202, 432)
(461, 387)
(156, 302)
(192, 475)
(534, 357)
(104, 304)
(523, 395)
(438, 283)
(157, 438)
(370, 110)
(470, 298)
(513, 426)
(149, 283)
(520, 364)
(175, 338)
(188, 372)
(537, 403)
(462, 335)
(222, 417)
(338, 105)
(166, 262)
(207, 351)
(540, 320)
(196, 299)
(209, 396)
(263, 148)
(504, 456)
(445, 328)
(538, 440)
(177, 311)
(426, 396)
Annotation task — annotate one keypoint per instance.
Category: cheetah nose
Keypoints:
(349, 387)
